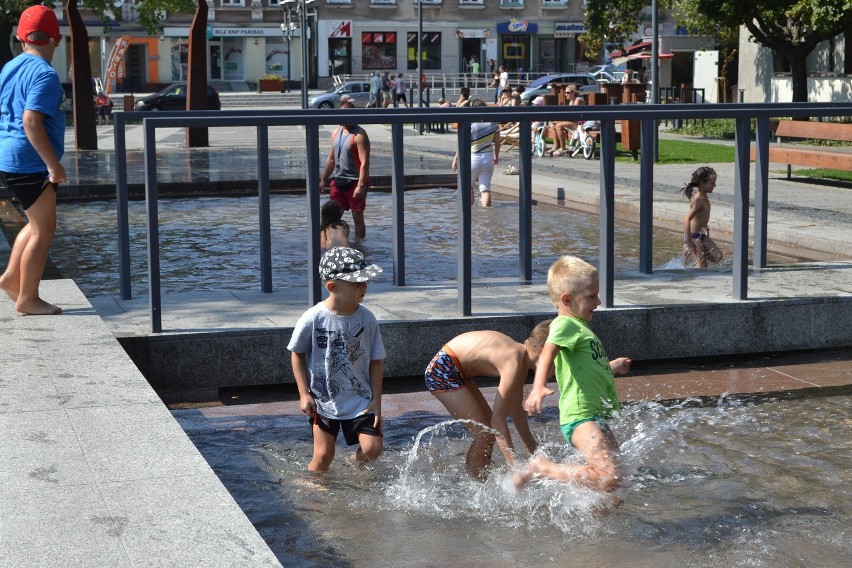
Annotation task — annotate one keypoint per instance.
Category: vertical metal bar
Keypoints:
(263, 209)
(464, 242)
(313, 193)
(525, 203)
(121, 198)
(761, 191)
(646, 198)
(150, 154)
(606, 260)
(398, 201)
(741, 167)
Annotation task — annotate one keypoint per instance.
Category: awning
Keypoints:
(638, 47)
(642, 55)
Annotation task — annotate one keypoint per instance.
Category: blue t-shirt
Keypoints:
(28, 82)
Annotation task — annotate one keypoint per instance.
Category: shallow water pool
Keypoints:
(735, 483)
(212, 243)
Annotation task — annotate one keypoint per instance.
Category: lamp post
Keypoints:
(301, 9)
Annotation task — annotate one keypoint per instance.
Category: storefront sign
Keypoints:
(514, 26)
(219, 31)
(473, 34)
(568, 29)
(342, 28)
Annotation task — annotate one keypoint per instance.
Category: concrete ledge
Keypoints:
(192, 366)
(94, 470)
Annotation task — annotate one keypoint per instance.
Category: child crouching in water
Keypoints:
(450, 378)
(696, 232)
(587, 396)
(334, 231)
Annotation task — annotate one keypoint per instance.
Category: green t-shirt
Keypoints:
(583, 374)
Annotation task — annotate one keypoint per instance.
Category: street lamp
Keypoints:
(301, 9)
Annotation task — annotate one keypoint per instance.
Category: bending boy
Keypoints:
(486, 354)
(587, 394)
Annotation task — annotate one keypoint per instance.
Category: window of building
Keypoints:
(378, 50)
(431, 50)
(470, 2)
(511, 3)
(233, 3)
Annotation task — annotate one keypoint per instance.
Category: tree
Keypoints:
(791, 28)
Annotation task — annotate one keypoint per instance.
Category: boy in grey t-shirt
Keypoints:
(338, 361)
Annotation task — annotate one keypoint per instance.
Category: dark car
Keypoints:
(173, 97)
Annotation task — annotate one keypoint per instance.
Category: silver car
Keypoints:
(359, 91)
(584, 81)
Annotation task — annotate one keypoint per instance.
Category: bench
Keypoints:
(810, 157)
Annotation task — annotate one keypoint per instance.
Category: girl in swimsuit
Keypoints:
(696, 233)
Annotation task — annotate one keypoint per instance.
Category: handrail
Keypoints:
(605, 114)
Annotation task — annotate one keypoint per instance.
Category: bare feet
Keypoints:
(6, 286)
(38, 308)
(530, 471)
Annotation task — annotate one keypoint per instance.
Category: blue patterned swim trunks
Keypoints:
(444, 372)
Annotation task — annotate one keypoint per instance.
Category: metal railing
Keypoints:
(607, 115)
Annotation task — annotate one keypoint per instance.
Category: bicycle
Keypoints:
(581, 141)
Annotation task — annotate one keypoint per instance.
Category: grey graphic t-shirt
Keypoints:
(338, 351)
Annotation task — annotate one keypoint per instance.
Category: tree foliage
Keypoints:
(791, 28)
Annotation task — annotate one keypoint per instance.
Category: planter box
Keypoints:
(270, 85)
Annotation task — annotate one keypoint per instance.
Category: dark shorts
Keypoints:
(26, 187)
(401, 97)
(351, 428)
(344, 197)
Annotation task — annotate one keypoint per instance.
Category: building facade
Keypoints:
(249, 39)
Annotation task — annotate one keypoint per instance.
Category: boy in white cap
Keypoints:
(338, 361)
(32, 141)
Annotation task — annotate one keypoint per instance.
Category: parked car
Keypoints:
(607, 73)
(584, 81)
(359, 91)
(173, 97)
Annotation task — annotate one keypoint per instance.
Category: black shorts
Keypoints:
(27, 188)
(351, 428)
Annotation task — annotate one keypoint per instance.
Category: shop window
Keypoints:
(431, 50)
(378, 50)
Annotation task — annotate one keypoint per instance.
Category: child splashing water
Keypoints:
(696, 232)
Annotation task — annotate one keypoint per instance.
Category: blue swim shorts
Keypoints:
(445, 372)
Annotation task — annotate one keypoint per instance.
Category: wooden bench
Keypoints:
(810, 157)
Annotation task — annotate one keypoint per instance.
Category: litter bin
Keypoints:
(129, 103)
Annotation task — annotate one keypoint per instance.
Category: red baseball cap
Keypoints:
(38, 19)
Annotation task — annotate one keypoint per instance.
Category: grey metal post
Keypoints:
(646, 198)
(464, 242)
(606, 259)
(420, 59)
(154, 298)
(741, 190)
(398, 203)
(313, 193)
(655, 74)
(121, 198)
(761, 191)
(304, 37)
(263, 215)
(525, 202)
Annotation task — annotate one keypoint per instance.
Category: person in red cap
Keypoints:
(32, 141)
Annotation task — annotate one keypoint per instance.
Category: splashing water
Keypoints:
(736, 482)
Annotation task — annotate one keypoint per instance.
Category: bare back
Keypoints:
(488, 354)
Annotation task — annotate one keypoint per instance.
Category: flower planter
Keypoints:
(270, 85)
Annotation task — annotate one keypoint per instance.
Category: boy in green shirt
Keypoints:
(584, 376)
